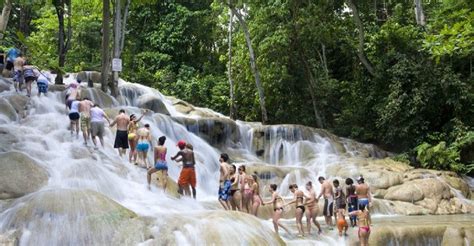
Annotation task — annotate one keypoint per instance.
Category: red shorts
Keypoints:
(341, 224)
(187, 177)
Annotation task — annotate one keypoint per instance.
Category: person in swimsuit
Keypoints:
(363, 193)
(313, 208)
(74, 117)
(187, 177)
(299, 202)
(144, 144)
(244, 189)
(85, 111)
(327, 192)
(363, 221)
(122, 122)
(340, 198)
(256, 199)
(351, 200)
(73, 92)
(248, 193)
(29, 76)
(224, 182)
(18, 72)
(341, 223)
(277, 202)
(160, 163)
(132, 137)
(236, 196)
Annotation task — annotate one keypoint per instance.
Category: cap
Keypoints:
(181, 144)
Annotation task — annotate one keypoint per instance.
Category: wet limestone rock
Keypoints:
(4, 85)
(7, 110)
(20, 175)
(153, 103)
(99, 97)
(75, 217)
(18, 102)
(86, 76)
(417, 190)
(216, 131)
(171, 185)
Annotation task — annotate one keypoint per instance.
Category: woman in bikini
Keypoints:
(277, 202)
(236, 196)
(160, 163)
(132, 137)
(257, 199)
(299, 202)
(313, 208)
(245, 190)
(351, 199)
(363, 221)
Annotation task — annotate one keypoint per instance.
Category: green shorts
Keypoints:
(85, 123)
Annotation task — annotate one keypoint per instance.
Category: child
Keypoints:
(363, 221)
(341, 222)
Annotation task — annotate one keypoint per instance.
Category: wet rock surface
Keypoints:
(20, 175)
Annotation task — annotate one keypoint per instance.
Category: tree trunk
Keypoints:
(117, 38)
(124, 26)
(105, 44)
(360, 51)
(419, 14)
(253, 64)
(233, 110)
(59, 6)
(7, 7)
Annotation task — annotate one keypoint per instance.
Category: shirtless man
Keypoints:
(224, 182)
(121, 138)
(85, 106)
(18, 72)
(187, 177)
(363, 193)
(144, 144)
(313, 208)
(327, 192)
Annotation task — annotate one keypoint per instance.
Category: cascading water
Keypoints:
(82, 181)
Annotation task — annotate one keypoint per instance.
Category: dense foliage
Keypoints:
(420, 94)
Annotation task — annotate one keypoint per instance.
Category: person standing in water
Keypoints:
(341, 222)
(236, 196)
(244, 189)
(160, 163)
(74, 117)
(257, 199)
(29, 77)
(363, 221)
(351, 200)
(340, 198)
(11, 56)
(224, 181)
(327, 192)
(187, 177)
(73, 92)
(43, 82)
(277, 202)
(132, 137)
(299, 202)
(18, 78)
(85, 114)
(363, 193)
(144, 143)
(313, 208)
(97, 124)
(121, 138)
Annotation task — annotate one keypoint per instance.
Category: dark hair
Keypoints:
(225, 157)
(273, 186)
(122, 111)
(349, 181)
(147, 125)
(309, 183)
(255, 176)
(235, 168)
(86, 98)
(79, 81)
(242, 167)
(295, 186)
(321, 178)
(131, 116)
(336, 182)
(161, 140)
(362, 206)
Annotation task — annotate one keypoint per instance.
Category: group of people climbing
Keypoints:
(241, 192)
(14, 64)
(129, 136)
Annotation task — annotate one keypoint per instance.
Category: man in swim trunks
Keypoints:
(363, 193)
(85, 106)
(121, 138)
(327, 192)
(18, 64)
(224, 182)
(187, 177)
(144, 144)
